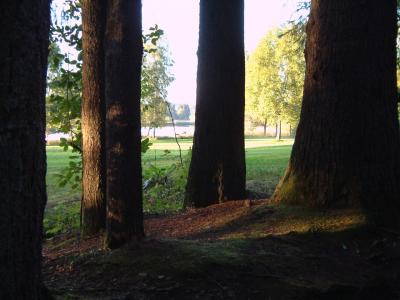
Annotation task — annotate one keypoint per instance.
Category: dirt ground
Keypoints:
(235, 250)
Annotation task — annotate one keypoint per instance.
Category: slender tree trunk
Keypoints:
(265, 128)
(24, 39)
(217, 171)
(93, 117)
(347, 148)
(278, 130)
(124, 172)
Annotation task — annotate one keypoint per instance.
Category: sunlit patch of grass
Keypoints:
(281, 220)
(267, 142)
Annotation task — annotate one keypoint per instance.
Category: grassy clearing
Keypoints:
(266, 161)
(57, 159)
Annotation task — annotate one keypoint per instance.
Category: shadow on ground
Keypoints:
(237, 250)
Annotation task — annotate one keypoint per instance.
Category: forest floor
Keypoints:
(235, 250)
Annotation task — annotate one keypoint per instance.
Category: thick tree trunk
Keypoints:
(24, 39)
(124, 172)
(93, 117)
(347, 148)
(217, 171)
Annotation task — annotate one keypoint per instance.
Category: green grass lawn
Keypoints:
(57, 159)
(266, 160)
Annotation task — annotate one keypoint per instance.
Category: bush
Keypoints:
(63, 218)
(164, 187)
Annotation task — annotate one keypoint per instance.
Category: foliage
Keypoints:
(64, 95)
(274, 79)
(145, 145)
(65, 88)
(154, 113)
(62, 218)
(298, 23)
(163, 187)
(156, 78)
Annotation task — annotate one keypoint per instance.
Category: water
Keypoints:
(168, 131)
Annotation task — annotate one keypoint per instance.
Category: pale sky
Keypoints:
(180, 21)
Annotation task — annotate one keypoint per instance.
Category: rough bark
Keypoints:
(23, 63)
(347, 148)
(93, 117)
(217, 170)
(124, 173)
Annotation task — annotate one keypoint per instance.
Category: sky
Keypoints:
(180, 21)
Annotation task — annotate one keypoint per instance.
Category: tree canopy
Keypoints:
(156, 78)
(274, 79)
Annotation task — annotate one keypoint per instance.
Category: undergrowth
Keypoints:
(62, 218)
(164, 187)
(163, 192)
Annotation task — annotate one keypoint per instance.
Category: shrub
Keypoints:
(164, 187)
(63, 218)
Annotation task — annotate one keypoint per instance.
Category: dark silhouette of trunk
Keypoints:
(23, 57)
(124, 172)
(93, 117)
(278, 130)
(217, 170)
(347, 148)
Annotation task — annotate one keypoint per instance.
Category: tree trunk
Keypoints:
(278, 131)
(24, 44)
(124, 172)
(265, 128)
(93, 117)
(217, 171)
(347, 148)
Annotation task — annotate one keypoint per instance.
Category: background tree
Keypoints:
(156, 78)
(93, 117)
(180, 111)
(274, 80)
(217, 170)
(124, 47)
(347, 147)
(154, 114)
(23, 56)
